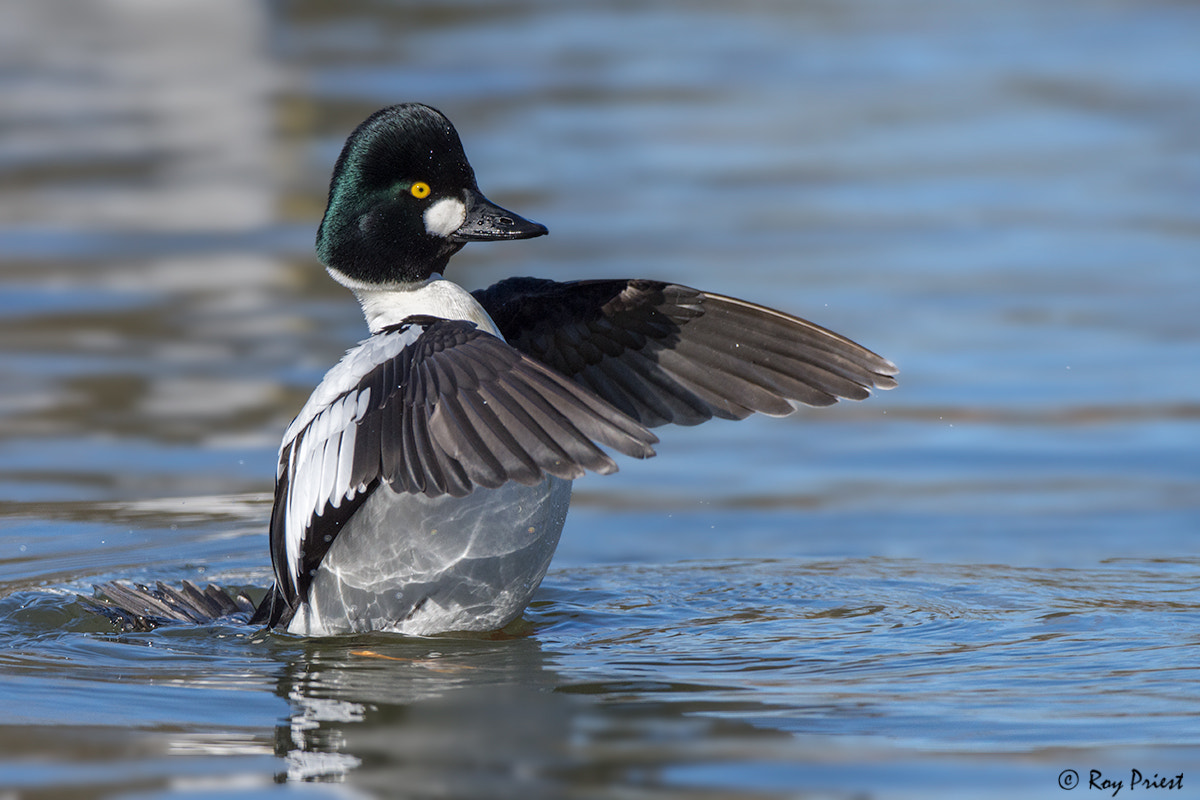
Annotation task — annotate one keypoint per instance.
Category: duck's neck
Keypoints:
(435, 297)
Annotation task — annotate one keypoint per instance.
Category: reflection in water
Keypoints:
(662, 675)
(492, 718)
(451, 706)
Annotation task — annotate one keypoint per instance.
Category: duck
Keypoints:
(423, 487)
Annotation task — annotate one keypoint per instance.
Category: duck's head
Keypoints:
(403, 199)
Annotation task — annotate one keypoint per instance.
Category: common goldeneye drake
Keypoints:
(424, 485)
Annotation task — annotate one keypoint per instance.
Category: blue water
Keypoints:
(963, 587)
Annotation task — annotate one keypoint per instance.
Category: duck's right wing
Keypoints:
(665, 353)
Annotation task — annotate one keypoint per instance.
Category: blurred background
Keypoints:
(972, 582)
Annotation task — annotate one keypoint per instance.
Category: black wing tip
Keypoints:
(885, 383)
(659, 352)
(885, 369)
(883, 375)
(880, 375)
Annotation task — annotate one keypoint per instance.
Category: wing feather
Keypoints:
(430, 406)
(665, 353)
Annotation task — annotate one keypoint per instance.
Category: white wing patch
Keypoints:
(320, 442)
(319, 468)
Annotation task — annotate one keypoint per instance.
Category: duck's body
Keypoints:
(418, 565)
(404, 561)
(424, 485)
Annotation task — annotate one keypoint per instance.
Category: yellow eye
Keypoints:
(420, 190)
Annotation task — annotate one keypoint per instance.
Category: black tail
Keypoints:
(273, 611)
(140, 608)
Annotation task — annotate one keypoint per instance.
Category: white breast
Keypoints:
(417, 565)
(435, 297)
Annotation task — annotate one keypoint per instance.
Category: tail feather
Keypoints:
(141, 608)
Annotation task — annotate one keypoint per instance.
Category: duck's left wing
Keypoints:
(666, 353)
(435, 407)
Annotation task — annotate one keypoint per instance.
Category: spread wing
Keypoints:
(430, 406)
(666, 353)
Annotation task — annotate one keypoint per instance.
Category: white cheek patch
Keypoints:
(445, 217)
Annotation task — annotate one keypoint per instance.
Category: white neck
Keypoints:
(436, 297)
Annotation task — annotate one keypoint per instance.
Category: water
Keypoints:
(964, 587)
